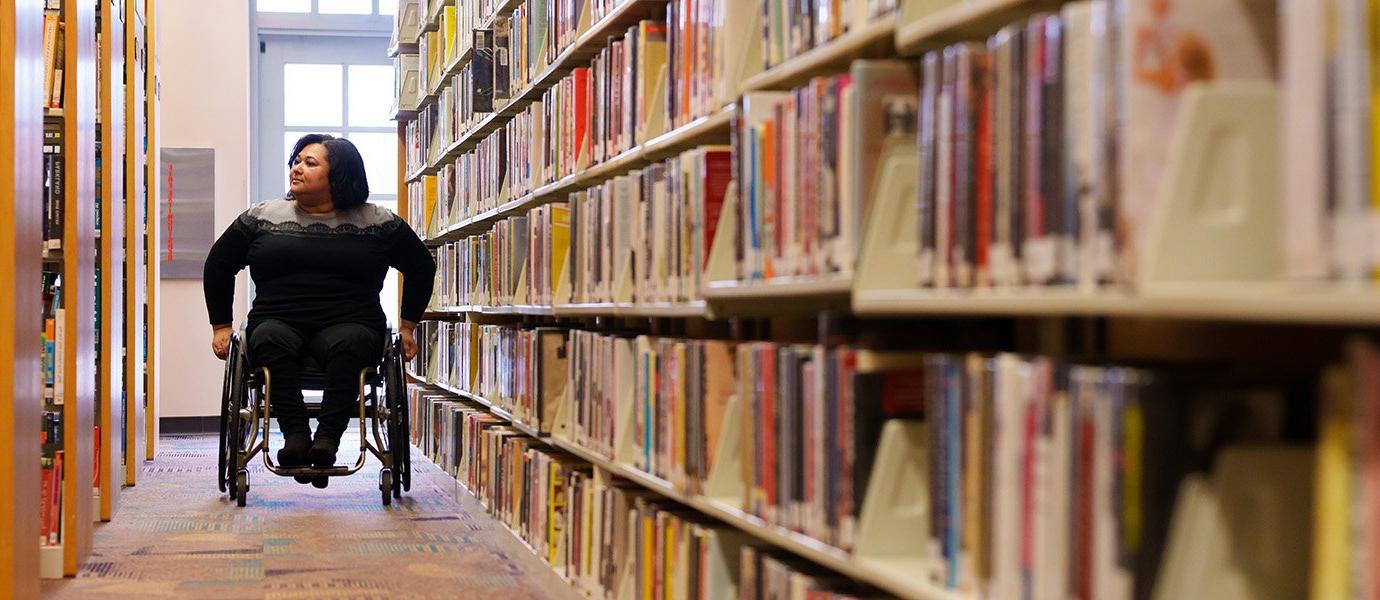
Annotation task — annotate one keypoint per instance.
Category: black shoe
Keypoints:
(296, 447)
(322, 453)
(321, 481)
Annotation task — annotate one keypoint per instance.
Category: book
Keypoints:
(483, 71)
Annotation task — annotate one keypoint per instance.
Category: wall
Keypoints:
(204, 60)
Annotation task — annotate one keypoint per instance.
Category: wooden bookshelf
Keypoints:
(78, 281)
(111, 386)
(921, 28)
(135, 207)
(874, 39)
(21, 201)
(151, 148)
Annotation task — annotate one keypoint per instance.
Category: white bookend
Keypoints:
(655, 124)
(1236, 535)
(725, 481)
(521, 294)
(915, 10)
(560, 427)
(1221, 194)
(585, 21)
(625, 424)
(409, 22)
(722, 263)
(742, 52)
(504, 195)
(50, 562)
(624, 287)
(890, 246)
(721, 566)
(895, 512)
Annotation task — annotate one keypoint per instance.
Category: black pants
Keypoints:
(341, 351)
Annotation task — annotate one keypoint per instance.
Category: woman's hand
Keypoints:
(220, 341)
(409, 340)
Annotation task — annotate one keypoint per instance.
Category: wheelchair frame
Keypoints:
(245, 407)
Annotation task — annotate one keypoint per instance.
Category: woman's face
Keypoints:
(308, 177)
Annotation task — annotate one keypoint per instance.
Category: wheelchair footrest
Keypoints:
(335, 471)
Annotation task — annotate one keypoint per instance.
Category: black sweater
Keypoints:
(314, 271)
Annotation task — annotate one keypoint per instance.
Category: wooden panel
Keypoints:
(151, 340)
(134, 233)
(403, 208)
(78, 280)
(21, 201)
(110, 386)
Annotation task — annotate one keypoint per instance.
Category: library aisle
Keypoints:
(176, 537)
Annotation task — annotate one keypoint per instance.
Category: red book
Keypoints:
(582, 90)
(45, 503)
(982, 199)
(1083, 518)
(96, 474)
(769, 424)
(718, 172)
(55, 502)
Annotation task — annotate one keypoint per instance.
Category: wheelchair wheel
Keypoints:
(386, 485)
(395, 395)
(241, 487)
(222, 475)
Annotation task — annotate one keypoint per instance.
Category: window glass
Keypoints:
(380, 153)
(371, 95)
(290, 6)
(311, 95)
(345, 7)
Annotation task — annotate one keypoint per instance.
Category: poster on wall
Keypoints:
(186, 210)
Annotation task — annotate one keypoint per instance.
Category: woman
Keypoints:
(318, 259)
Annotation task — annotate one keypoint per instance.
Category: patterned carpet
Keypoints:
(177, 536)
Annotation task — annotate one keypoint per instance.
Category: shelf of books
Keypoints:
(136, 250)
(69, 290)
(111, 420)
(908, 298)
(150, 149)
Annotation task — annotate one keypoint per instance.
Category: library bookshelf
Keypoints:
(1186, 287)
(110, 386)
(66, 212)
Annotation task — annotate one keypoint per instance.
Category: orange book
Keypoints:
(55, 502)
(766, 206)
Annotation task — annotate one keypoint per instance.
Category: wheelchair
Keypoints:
(245, 418)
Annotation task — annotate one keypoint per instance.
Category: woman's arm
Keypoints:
(227, 257)
(410, 257)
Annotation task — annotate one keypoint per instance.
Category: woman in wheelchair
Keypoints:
(318, 259)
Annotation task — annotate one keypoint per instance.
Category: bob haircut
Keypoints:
(349, 185)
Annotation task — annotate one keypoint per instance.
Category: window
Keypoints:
(329, 7)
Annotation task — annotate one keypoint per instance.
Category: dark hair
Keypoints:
(349, 185)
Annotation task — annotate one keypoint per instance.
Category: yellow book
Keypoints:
(429, 204)
(677, 459)
(648, 558)
(1374, 14)
(652, 46)
(1332, 490)
(448, 28)
(560, 242)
